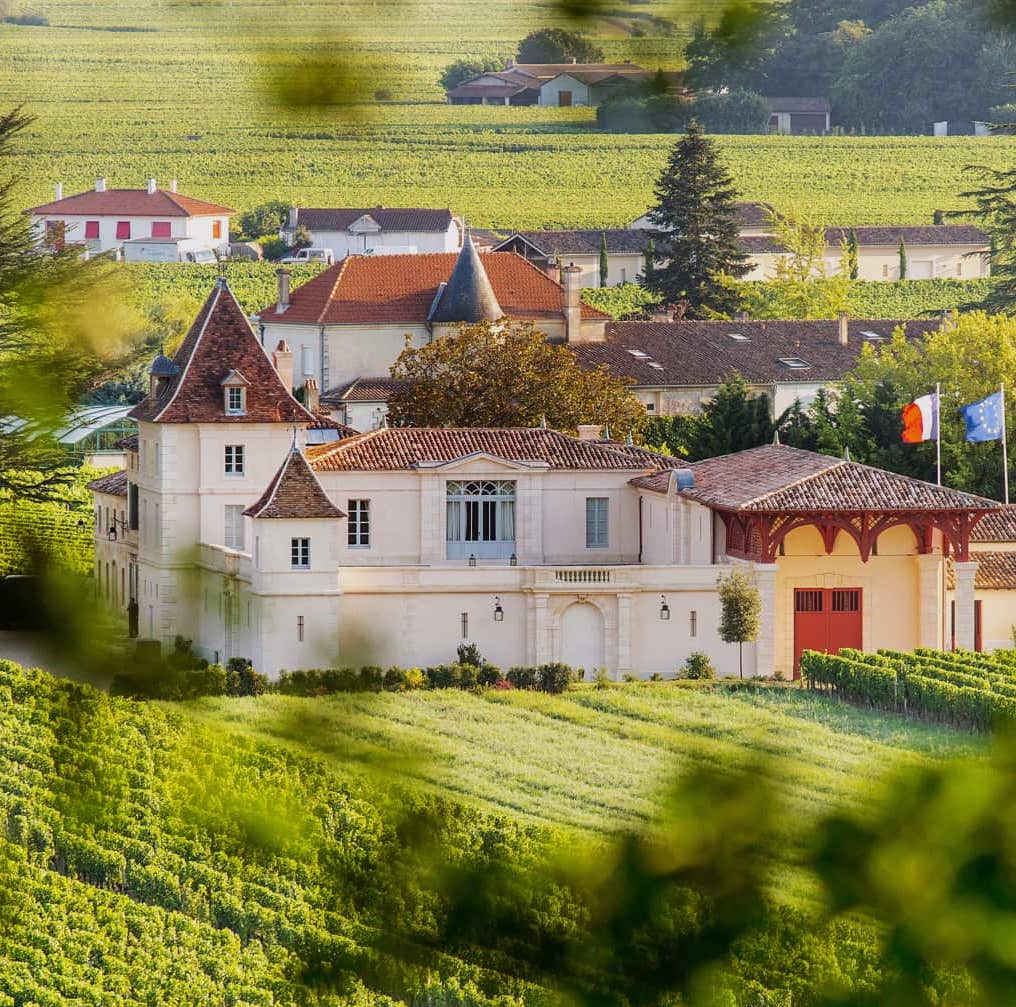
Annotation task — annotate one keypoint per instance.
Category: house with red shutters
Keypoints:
(149, 224)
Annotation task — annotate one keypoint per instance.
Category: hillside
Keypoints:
(209, 854)
(189, 81)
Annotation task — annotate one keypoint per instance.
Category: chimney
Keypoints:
(510, 63)
(571, 290)
(283, 300)
(590, 431)
(100, 185)
(742, 316)
(172, 185)
(283, 360)
(311, 395)
(293, 216)
(574, 61)
(843, 328)
(662, 313)
(152, 186)
(59, 191)
(945, 320)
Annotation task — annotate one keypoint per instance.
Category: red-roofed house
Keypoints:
(253, 538)
(352, 320)
(149, 224)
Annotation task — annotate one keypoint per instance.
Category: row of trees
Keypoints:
(887, 65)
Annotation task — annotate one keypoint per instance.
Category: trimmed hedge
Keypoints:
(933, 685)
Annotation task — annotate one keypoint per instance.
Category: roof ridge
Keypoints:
(212, 302)
(171, 196)
(836, 463)
(273, 486)
(340, 272)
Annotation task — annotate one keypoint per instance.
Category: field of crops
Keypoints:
(128, 91)
(167, 854)
(964, 688)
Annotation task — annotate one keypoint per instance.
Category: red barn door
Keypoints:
(826, 619)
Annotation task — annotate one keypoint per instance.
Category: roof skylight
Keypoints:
(739, 337)
(794, 363)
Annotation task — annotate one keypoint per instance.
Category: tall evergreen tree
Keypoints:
(903, 259)
(604, 260)
(996, 207)
(695, 229)
(852, 254)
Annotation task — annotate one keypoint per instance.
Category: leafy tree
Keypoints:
(697, 247)
(463, 69)
(302, 237)
(996, 208)
(927, 63)
(604, 259)
(506, 374)
(736, 111)
(626, 300)
(740, 612)
(731, 51)
(265, 219)
(801, 286)
(814, 427)
(733, 420)
(556, 45)
(63, 321)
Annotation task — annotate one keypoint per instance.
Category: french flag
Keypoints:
(920, 420)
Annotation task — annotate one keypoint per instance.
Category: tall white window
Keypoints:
(480, 519)
(596, 522)
(358, 524)
(235, 400)
(300, 553)
(233, 538)
(234, 460)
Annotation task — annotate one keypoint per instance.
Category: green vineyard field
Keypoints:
(189, 82)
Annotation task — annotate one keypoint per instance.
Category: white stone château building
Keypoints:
(257, 529)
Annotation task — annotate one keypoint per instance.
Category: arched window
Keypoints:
(480, 519)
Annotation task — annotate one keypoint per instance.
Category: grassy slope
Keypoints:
(187, 100)
(593, 759)
(122, 795)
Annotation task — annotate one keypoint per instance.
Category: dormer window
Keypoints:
(234, 386)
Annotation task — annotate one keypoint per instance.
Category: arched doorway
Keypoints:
(582, 637)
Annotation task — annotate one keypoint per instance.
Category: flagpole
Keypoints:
(1005, 449)
(938, 431)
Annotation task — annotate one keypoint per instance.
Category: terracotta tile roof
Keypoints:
(294, 493)
(322, 421)
(114, 485)
(506, 90)
(220, 341)
(999, 526)
(129, 443)
(750, 214)
(549, 70)
(133, 203)
(658, 482)
(697, 353)
(403, 448)
(364, 289)
(996, 571)
(388, 218)
(379, 389)
(780, 478)
(581, 242)
(887, 237)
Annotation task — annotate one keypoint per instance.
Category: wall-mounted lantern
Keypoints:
(514, 561)
(664, 608)
(472, 559)
(112, 533)
(498, 610)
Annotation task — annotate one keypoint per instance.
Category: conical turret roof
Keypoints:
(468, 295)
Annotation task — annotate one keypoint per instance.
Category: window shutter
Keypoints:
(91, 229)
(123, 230)
(162, 229)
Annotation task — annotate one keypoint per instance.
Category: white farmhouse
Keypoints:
(378, 230)
(394, 546)
(105, 219)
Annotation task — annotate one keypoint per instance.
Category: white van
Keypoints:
(310, 255)
(166, 250)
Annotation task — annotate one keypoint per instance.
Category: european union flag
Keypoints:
(984, 419)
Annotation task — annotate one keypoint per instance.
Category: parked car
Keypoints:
(166, 250)
(310, 255)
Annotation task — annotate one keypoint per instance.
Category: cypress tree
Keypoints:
(604, 261)
(695, 229)
(903, 259)
(852, 252)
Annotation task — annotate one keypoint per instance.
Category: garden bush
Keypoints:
(697, 667)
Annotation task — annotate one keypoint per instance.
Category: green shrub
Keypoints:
(522, 678)
(468, 653)
(554, 677)
(697, 667)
